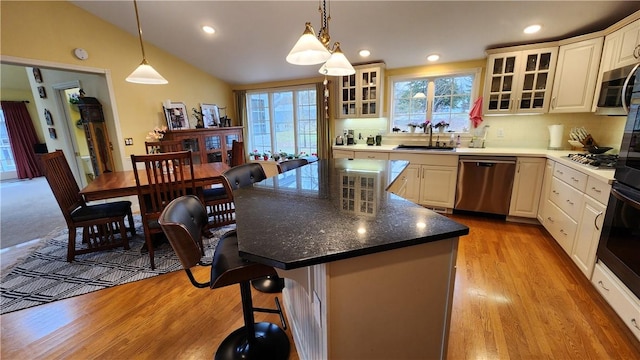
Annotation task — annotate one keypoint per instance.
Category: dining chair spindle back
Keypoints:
(169, 176)
(100, 223)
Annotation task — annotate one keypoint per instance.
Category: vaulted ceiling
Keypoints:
(252, 38)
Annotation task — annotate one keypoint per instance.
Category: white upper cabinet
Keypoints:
(625, 46)
(360, 94)
(574, 83)
(519, 82)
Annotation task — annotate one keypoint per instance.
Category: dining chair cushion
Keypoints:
(92, 212)
(214, 194)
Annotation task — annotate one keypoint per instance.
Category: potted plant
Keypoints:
(255, 154)
(441, 126)
(412, 127)
(266, 155)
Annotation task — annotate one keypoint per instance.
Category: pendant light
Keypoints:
(145, 73)
(311, 49)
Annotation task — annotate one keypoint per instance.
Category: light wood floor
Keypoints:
(517, 296)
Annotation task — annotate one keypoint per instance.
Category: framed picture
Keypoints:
(52, 133)
(210, 115)
(42, 92)
(176, 115)
(37, 75)
(48, 117)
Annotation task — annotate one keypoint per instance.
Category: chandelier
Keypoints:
(145, 73)
(311, 49)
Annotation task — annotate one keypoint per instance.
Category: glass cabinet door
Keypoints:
(228, 140)
(535, 84)
(348, 95)
(502, 82)
(369, 90)
(213, 148)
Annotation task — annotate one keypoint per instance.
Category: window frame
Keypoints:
(431, 77)
(295, 89)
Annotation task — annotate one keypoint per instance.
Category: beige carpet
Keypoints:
(28, 211)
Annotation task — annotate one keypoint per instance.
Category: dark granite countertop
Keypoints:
(332, 210)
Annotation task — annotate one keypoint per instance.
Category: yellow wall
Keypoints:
(50, 30)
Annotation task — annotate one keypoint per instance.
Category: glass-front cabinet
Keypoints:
(360, 95)
(519, 82)
(208, 145)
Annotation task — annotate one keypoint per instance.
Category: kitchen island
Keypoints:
(368, 274)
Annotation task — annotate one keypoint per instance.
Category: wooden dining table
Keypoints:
(123, 183)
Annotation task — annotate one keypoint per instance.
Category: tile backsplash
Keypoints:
(517, 131)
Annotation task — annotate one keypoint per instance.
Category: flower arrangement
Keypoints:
(74, 99)
(442, 124)
(157, 133)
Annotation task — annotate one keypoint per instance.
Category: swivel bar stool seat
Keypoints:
(182, 221)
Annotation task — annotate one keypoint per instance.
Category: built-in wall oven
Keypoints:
(619, 246)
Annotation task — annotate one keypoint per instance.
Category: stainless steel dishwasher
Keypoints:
(485, 183)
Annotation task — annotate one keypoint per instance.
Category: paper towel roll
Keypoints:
(555, 136)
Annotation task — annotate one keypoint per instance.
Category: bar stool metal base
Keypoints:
(271, 343)
(268, 284)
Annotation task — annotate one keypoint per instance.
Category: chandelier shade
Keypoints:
(145, 73)
(337, 65)
(308, 50)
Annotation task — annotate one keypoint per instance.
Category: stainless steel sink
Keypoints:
(424, 148)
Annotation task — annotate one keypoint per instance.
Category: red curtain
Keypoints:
(22, 137)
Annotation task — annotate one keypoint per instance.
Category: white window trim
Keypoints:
(475, 89)
(270, 92)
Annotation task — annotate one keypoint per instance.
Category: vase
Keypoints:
(441, 130)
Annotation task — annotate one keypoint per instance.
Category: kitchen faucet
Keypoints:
(430, 129)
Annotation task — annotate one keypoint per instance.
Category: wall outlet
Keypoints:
(500, 132)
(128, 141)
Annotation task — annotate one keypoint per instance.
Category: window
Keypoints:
(6, 155)
(282, 121)
(440, 98)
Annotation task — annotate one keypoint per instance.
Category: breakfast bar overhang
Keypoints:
(368, 274)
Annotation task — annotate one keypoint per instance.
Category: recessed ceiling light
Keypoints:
(532, 29)
(208, 29)
(433, 57)
(364, 53)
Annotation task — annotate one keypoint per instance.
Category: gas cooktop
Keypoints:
(595, 161)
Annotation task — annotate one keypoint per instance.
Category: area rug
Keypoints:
(45, 276)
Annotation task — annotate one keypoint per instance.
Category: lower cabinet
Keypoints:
(585, 245)
(546, 188)
(430, 179)
(407, 185)
(572, 210)
(625, 304)
(527, 184)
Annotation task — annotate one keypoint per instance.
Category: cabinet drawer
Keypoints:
(371, 155)
(342, 154)
(426, 159)
(598, 190)
(620, 298)
(566, 198)
(560, 226)
(572, 177)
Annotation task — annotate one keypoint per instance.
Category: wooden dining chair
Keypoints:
(164, 146)
(218, 198)
(237, 153)
(162, 178)
(100, 223)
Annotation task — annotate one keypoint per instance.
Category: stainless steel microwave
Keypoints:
(615, 91)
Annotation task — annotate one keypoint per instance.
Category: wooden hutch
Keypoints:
(208, 145)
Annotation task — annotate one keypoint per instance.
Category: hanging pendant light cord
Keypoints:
(135, 6)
